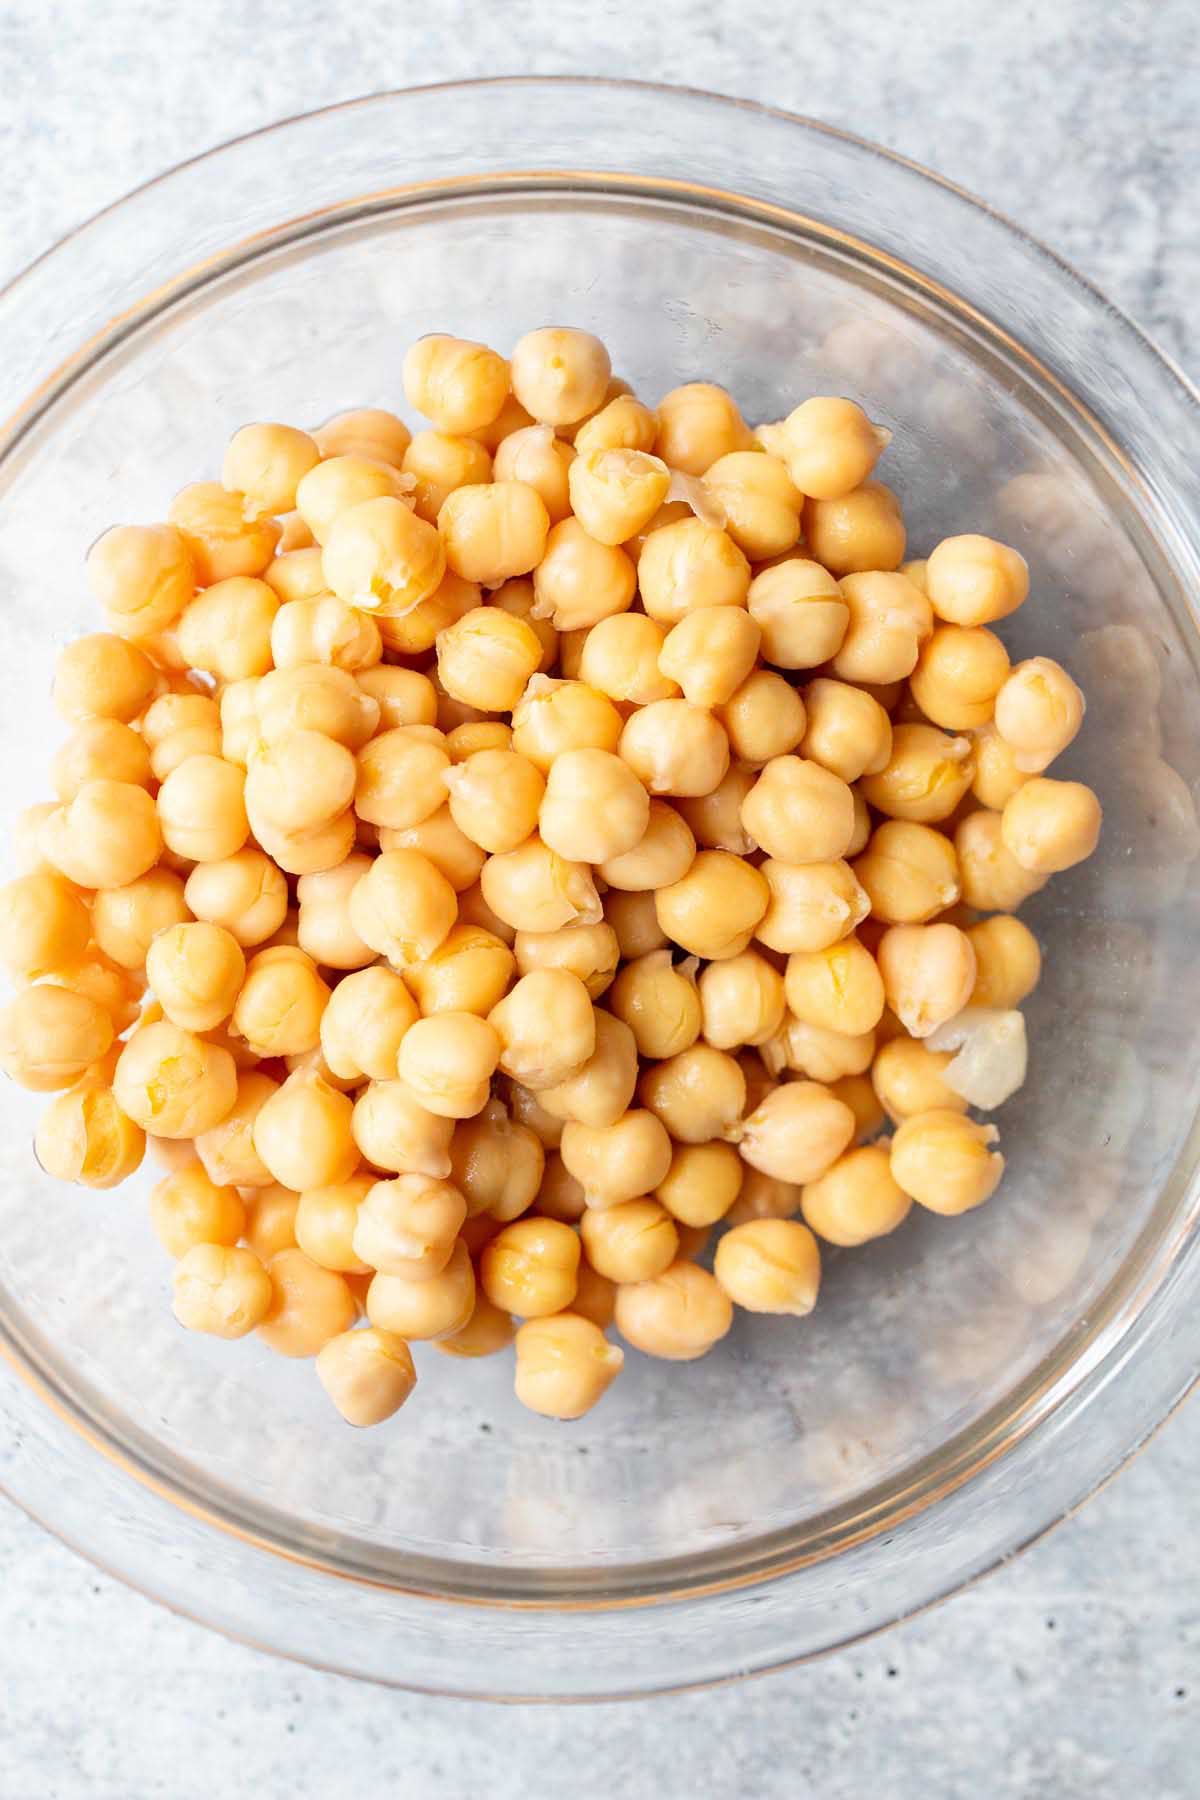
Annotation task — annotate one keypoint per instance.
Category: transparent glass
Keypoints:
(962, 1385)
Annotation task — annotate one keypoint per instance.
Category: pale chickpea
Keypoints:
(863, 529)
(997, 777)
(413, 633)
(270, 1220)
(102, 676)
(240, 728)
(992, 879)
(857, 1199)
(196, 972)
(468, 972)
(486, 1331)
(600, 1091)
(589, 951)
(96, 977)
(624, 423)
(675, 748)
(547, 1028)
(714, 909)
(763, 1197)
(202, 809)
(710, 653)
(527, 1109)
(1038, 713)
(388, 697)
(801, 611)
(366, 431)
(579, 580)
(407, 1226)
(309, 1305)
(715, 819)
(564, 1365)
(1049, 826)
(226, 629)
(364, 1023)
(278, 1009)
(448, 1061)
(297, 574)
(959, 676)
(50, 1035)
(25, 839)
(324, 930)
(497, 1163)
(221, 540)
(838, 988)
(186, 1209)
(690, 564)
(909, 873)
(541, 461)
(459, 385)
(438, 463)
(303, 1133)
(44, 925)
(493, 531)
(555, 716)
(1008, 962)
(177, 726)
(698, 1094)
(324, 630)
(100, 749)
(533, 889)
(559, 1195)
(928, 974)
(530, 1267)
(367, 1374)
(798, 811)
(403, 907)
(633, 916)
(796, 1132)
(858, 1094)
(400, 777)
(220, 1290)
(422, 1311)
(615, 492)
(440, 840)
(698, 424)
(560, 375)
(84, 1137)
(245, 893)
(475, 735)
(663, 854)
(264, 464)
(126, 918)
(811, 906)
(679, 1315)
(916, 570)
(173, 1083)
(143, 577)
(888, 622)
(945, 1162)
(617, 1162)
(702, 1183)
(495, 796)
(925, 778)
(380, 557)
(828, 444)
(226, 1149)
(741, 1001)
(487, 657)
(848, 731)
(760, 501)
(974, 580)
(594, 807)
(770, 1266)
(394, 1131)
(764, 717)
(301, 782)
(908, 1078)
(820, 1053)
(632, 1241)
(659, 1002)
(106, 837)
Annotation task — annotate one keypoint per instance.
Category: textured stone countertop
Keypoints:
(1074, 1672)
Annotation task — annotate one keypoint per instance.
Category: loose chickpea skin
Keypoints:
(688, 565)
(403, 907)
(945, 1162)
(616, 492)
(973, 580)
(143, 576)
(186, 1209)
(279, 1006)
(853, 532)
(741, 1001)
(589, 951)
(1049, 826)
(909, 873)
(580, 581)
(437, 1307)
(602, 1088)
(796, 1132)
(1008, 962)
(44, 924)
(552, 717)
(925, 778)
(564, 1365)
(221, 540)
(679, 1315)
(702, 1183)
(713, 910)
(699, 423)
(196, 972)
(546, 1026)
(368, 1374)
(173, 1083)
(828, 445)
(495, 796)
(770, 1266)
(992, 879)
(811, 906)
(928, 974)
(530, 1268)
(559, 375)
(632, 1241)
(801, 611)
(698, 1094)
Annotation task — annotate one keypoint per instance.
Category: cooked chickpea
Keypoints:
(713, 910)
(270, 1220)
(226, 629)
(821, 1054)
(221, 1290)
(812, 905)
(279, 1006)
(702, 1183)
(555, 716)
(143, 577)
(186, 1209)
(663, 854)
(908, 1078)
(547, 1028)
(265, 463)
(399, 777)
(764, 717)
(196, 972)
(366, 431)
(715, 819)
(594, 807)
(928, 974)
(926, 776)
(50, 1035)
(44, 924)
(127, 917)
(559, 375)
(960, 673)
(559, 1195)
(616, 492)
(486, 657)
(527, 1109)
(530, 1268)
(838, 989)
(100, 979)
(441, 842)
(888, 621)
(84, 1137)
(909, 872)
(992, 879)
(495, 796)
(796, 1132)
(997, 777)
(581, 581)
(367, 1374)
(589, 951)
(798, 811)
(173, 1083)
(697, 1094)
(858, 1094)
(226, 1149)
(1038, 713)
(564, 1365)
(658, 1000)
(852, 532)
(438, 463)
(475, 735)
(621, 1161)
(309, 1305)
(468, 972)
(533, 889)
(202, 809)
(679, 1315)
(100, 749)
(325, 630)
(106, 837)
(760, 501)
(944, 1161)
(497, 1163)
(1049, 826)
(600, 1091)
(415, 632)
(848, 731)
(688, 565)
(538, 459)
(633, 916)
(801, 611)
(770, 1266)
(297, 574)
(459, 385)
(177, 726)
(245, 893)
(828, 444)
(395, 1132)
(856, 1199)
(448, 1060)
(436, 1307)
(493, 531)
(103, 676)
(364, 1023)
(303, 1134)
(407, 1226)
(763, 1197)
(974, 580)
(25, 838)
(403, 907)
(698, 424)
(324, 930)
(634, 1240)
(741, 1001)
(675, 748)
(221, 540)
(710, 653)
(380, 556)
(485, 1332)
(1008, 962)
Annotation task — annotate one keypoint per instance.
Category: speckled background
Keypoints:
(1073, 1673)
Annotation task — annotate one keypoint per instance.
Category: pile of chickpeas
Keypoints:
(487, 859)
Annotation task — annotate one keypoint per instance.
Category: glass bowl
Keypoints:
(962, 1385)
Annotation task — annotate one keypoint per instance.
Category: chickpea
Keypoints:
(367, 1374)
(710, 653)
(439, 463)
(303, 1133)
(1008, 962)
(659, 1002)
(698, 1094)
(395, 1132)
(997, 777)
(403, 907)
(518, 598)
(741, 1001)
(25, 839)
(857, 1199)
(202, 809)
(798, 811)
(441, 842)
(1049, 826)
(226, 1149)
(221, 540)
(97, 978)
(1039, 711)
(687, 565)
(715, 820)
(106, 837)
(44, 925)
(974, 580)
(601, 1089)
(821, 1054)
(325, 630)
(220, 1290)
(622, 424)
(960, 673)
(555, 716)
(713, 910)
(143, 577)
(617, 1162)
(926, 777)
(380, 556)
(838, 988)
(861, 530)
(364, 1023)
(460, 385)
(944, 1161)
(476, 735)
(701, 1185)
(102, 676)
(177, 726)
(889, 620)
(594, 807)
(928, 974)
(448, 1060)
(679, 1315)
(84, 1137)
(858, 1094)
(764, 717)
(908, 1079)
(564, 1365)
(49, 1036)
(801, 611)
(487, 657)
(279, 1007)
(633, 916)
(495, 796)
(366, 431)
(812, 905)
(763, 1197)
(616, 492)
(186, 1209)
(532, 889)
(309, 1305)
(580, 580)
(535, 457)
(770, 1266)
(264, 464)
(270, 1221)
(196, 971)
(632, 1241)
(485, 1332)
(173, 1083)
(493, 531)
(527, 1109)
(297, 574)
(226, 629)
(675, 748)
(662, 855)
(497, 1163)
(909, 872)
(547, 1028)
(560, 376)
(127, 917)
(468, 972)
(407, 1226)
(530, 1268)
(828, 444)
(796, 1132)
(916, 571)
(992, 878)
(697, 425)
(400, 778)
(245, 893)
(848, 731)
(100, 749)
(760, 501)
(437, 1307)
(589, 951)
(324, 930)
(413, 633)
(560, 1196)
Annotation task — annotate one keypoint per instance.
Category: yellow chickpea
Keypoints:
(616, 492)
(186, 1209)
(301, 781)
(84, 1137)
(1049, 826)
(710, 653)
(600, 1091)
(221, 540)
(760, 501)
(945, 1162)
(564, 1365)
(838, 989)
(422, 1311)
(264, 464)
(589, 951)
(441, 842)
(679, 1315)
(438, 463)
(459, 385)
(796, 1132)
(279, 1006)
(555, 716)
(226, 629)
(541, 461)
(798, 811)
(714, 909)
(559, 375)
(1008, 962)
(974, 580)
(487, 657)
(103, 676)
(527, 1109)
(820, 1053)
(415, 632)
(407, 1226)
(858, 1094)
(49, 1036)
(468, 972)
(763, 1197)
(100, 749)
(25, 839)
(395, 1132)
(177, 726)
(559, 1195)
(364, 1023)
(226, 1149)
(594, 807)
(857, 1199)
(926, 776)
(861, 530)
(365, 431)
(715, 819)
(675, 748)
(659, 1002)
(960, 673)
(828, 444)
(888, 621)
(497, 1163)
(270, 1221)
(493, 531)
(662, 855)
(400, 777)
(702, 1183)
(618, 1162)
(324, 630)
(324, 930)
(847, 732)
(698, 1094)
(634, 918)
(106, 837)
(126, 918)
(909, 872)
(381, 557)
(485, 1332)
(297, 574)
(495, 796)
(173, 1083)
(908, 1078)
(245, 893)
(530, 1268)
(533, 889)
(196, 972)
(997, 777)
(770, 1266)
(98, 978)
(308, 1305)
(992, 879)
(475, 735)
(367, 1374)
(403, 907)
(697, 425)
(623, 424)
(447, 1061)
(764, 717)
(580, 580)
(632, 1241)
(928, 974)
(741, 1001)
(387, 697)
(202, 809)
(801, 611)
(44, 924)
(220, 1290)
(143, 577)
(812, 905)
(687, 565)
(547, 1028)
(303, 1134)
